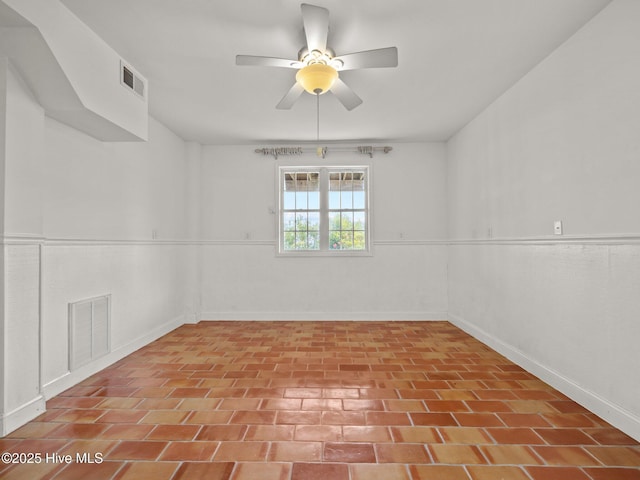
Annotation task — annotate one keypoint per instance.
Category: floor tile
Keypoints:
(262, 471)
(210, 471)
(208, 417)
(319, 471)
(456, 454)
(374, 434)
(270, 432)
(519, 436)
(387, 418)
(78, 430)
(253, 417)
(523, 420)
(441, 419)
(295, 452)
(164, 417)
(559, 473)
(126, 432)
(189, 451)
(151, 470)
(510, 455)
(564, 456)
(173, 432)
(464, 435)
(371, 471)
(317, 433)
(497, 472)
(438, 472)
(30, 472)
(564, 436)
(401, 453)
(616, 456)
(416, 434)
(349, 453)
(609, 436)
(613, 473)
(222, 432)
(81, 471)
(137, 450)
(331, 400)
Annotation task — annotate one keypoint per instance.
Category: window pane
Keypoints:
(289, 200)
(313, 241)
(346, 199)
(314, 221)
(347, 181)
(314, 200)
(314, 181)
(334, 200)
(359, 221)
(334, 221)
(289, 183)
(313, 187)
(289, 221)
(301, 200)
(346, 240)
(301, 240)
(301, 221)
(347, 221)
(359, 242)
(334, 240)
(358, 199)
(289, 240)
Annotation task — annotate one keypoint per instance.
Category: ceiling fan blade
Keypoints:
(379, 58)
(253, 60)
(316, 26)
(347, 97)
(290, 98)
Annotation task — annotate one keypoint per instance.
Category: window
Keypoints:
(324, 210)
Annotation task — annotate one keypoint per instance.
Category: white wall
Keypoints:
(562, 144)
(83, 218)
(405, 278)
(115, 222)
(102, 108)
(22, 127)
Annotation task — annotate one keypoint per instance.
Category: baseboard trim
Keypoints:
(70, 379)
(610, 412)
(25, 413)
(327, 316)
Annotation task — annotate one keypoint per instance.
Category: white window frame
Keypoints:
(324, 249)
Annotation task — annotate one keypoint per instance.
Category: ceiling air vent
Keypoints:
(132, 80)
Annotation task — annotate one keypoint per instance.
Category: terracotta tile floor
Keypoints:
(320, 400)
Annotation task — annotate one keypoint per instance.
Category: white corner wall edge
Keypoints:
(326, 316)
(21, 415)
(71, 379)
(610, 412)
(99, 106)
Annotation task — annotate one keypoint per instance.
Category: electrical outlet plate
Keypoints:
(557, 227)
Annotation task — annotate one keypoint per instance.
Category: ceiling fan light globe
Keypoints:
(317, 78)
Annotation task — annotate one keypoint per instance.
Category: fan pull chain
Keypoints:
(321, 152)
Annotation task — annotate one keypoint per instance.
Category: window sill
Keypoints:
(325, 253)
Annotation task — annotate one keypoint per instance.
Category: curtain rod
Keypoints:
(320, 151)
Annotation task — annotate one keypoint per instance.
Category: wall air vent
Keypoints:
(89, 330)
(132, 80)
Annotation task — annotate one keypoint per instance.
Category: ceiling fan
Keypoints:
(318, 67)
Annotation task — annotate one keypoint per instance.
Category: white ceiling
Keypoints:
(455, 57)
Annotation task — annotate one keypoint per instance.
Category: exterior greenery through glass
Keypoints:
(323, 209)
